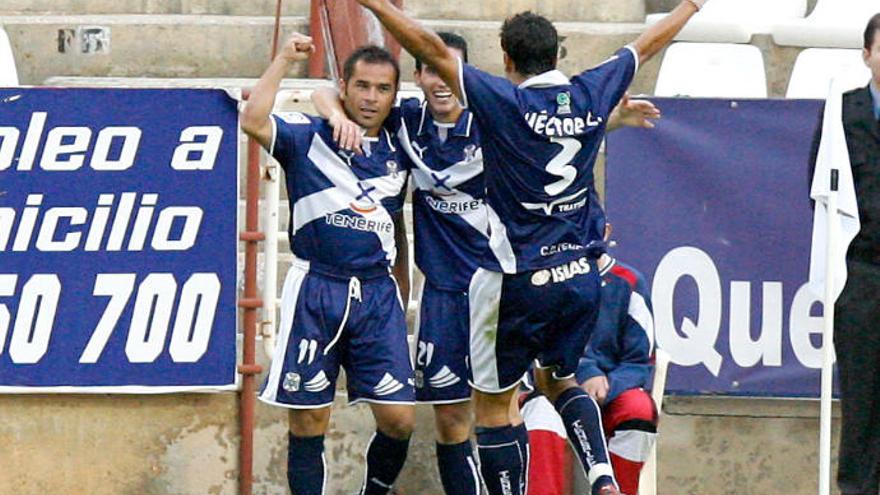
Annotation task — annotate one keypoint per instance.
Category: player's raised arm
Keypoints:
(659, 35)
(421, 42)
(255, 117)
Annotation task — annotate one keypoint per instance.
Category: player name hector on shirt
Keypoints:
(545, 124)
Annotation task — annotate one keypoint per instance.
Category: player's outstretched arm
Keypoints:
(346, 132)
(661, 34)
(256, 114)
(419, 41)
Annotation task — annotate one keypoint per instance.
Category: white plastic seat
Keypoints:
(648, 478)
(8, 73)
(815, 67)
(712, 70)
(832, 24)
(736, 21)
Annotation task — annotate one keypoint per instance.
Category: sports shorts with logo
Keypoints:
(442, 372)
(328, 321)
(545, 314)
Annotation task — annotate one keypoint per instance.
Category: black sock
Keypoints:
(385, 458)
(305, 465)
(502, 463)
(583, 422)
(458, 469)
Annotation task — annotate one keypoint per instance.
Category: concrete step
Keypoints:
(143, 45)
(200, 7)
(590, 11)
(236, 46)
(594, 10)
(584, 44)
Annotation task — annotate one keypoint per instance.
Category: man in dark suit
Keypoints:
(857, 319)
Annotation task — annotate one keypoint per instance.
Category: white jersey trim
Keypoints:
(484, 297)
(461, 88)
(546, 79)
(293, 282)
(635, 57)
(274, 136)
(638, 310)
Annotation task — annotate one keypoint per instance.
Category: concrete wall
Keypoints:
(188, 445)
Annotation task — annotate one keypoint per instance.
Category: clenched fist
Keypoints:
(297, 48)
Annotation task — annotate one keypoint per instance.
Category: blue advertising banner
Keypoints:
(118, 240)
(713, 207)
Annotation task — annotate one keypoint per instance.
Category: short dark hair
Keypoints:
(370, 54)
(452, 40)
(871, 31)
(531, 41)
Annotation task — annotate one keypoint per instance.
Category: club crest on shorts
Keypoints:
(291, 382)
(540, 278)
(420, 379)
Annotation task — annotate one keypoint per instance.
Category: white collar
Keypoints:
(549, 78)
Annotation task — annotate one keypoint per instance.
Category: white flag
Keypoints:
(833, 155)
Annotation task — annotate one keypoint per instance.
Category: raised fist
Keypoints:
(297, 48)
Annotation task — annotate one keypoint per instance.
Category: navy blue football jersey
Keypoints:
(342, 205)
(540, 141)
(449, 192)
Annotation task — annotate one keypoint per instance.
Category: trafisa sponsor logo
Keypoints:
(561, 273)
(291, 382)
(451, 206)
(583, 441)
(506, 484)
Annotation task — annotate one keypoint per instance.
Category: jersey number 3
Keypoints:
(560, 165)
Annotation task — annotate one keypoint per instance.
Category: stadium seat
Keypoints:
(815, 67)
(648, 478)
(8, 73)
(832, 24)
(712, 70)
(736, 21)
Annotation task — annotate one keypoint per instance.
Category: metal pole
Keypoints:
(828, 342)
(250, 302)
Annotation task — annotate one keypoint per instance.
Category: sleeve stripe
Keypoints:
(274, 136)
(635, 57)
(638, 311)
(464, 98)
